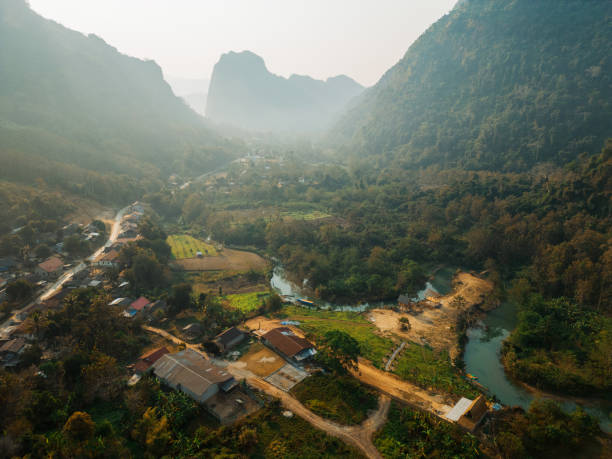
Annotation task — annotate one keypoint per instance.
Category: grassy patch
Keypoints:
(185, 246)
(339, 398)
(428, 368)
(305, 215)
(410, 433)
(373, 347)
(246, 302)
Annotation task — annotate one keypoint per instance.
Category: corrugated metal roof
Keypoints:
(459, 409)
(189, 370)
(286, 341)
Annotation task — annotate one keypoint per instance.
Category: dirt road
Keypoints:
(175, 340)
(399, 389)
(359, 436)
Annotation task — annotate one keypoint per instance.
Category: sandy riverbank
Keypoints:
(437, 327)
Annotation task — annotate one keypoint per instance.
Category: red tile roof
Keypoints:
(286, 341)
(139, 303)
(51, 265)
(147, 360)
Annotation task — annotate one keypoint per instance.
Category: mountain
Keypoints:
(192, 90)
(493, 84)
(245, 94)
(72, 107)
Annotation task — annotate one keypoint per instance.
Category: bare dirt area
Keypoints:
(87, 210)
(261, 361)
(401, 390)
(436, 326)
(227, 259)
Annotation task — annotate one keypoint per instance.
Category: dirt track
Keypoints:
(399, 389)
(359, 436)
(175, 340)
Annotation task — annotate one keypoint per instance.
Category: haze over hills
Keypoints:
(501, 85)
(191, 90)
(71, 104)
(245, 94)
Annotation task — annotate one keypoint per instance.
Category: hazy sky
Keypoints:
(320, 38)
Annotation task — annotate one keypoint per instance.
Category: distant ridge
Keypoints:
(245, 94)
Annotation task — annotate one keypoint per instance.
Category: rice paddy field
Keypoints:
(185, 246)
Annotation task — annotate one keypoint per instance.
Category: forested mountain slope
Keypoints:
(493, 85)
(71, 104)
(245, 94)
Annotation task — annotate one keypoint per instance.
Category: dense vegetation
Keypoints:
(340, 398)
(493, 86)
(81, 116)
(410, 433)
(545, 430)
(561, 346)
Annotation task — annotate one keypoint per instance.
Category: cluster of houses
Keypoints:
(208, 382)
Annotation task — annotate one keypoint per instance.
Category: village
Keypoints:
(244, 365)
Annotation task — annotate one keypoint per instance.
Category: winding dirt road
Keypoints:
(359, 436)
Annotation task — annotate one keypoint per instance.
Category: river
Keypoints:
(482, 351)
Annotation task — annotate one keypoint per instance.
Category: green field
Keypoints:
(185, 246)
(246, 302)
(427, 368)
(373, 347)
(305, 215)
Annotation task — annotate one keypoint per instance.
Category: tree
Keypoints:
(80, 426)
(180, 298)
(42, 251)
(152, 431)
(19, 290)
(338, 351)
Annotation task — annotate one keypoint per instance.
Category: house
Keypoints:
(130, 233)
(157, 305)
(146, 361)
(229, 338)
(7, 263)
(468, 413)
(71, 229)
(288, 344)
(50, 268)
(192, 374)
(140, 305)
(193, 330)
(109, 260)
(11, 350)
(404, 301)
(123, 302)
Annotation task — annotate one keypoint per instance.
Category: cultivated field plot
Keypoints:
(227, 259)
(245, 302)
(287, 377)
(185, 246)
(262, 361)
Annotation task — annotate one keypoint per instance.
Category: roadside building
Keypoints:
(138, 306)
(11, 350)
(7, 264)
(146, 361)
(108, 260)
(121, 302)
(468, 413)
(229, 338)
(193, 330)
(289, 345)
(192, 374)
(50, 268)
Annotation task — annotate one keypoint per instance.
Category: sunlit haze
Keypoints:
(361, 39)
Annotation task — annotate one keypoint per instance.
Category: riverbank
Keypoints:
(437, 327)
